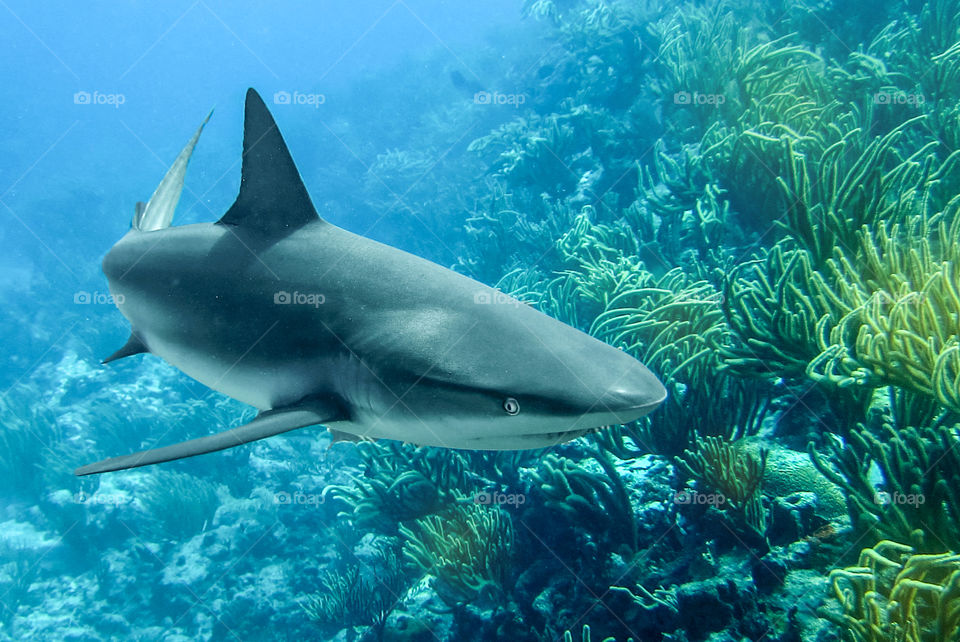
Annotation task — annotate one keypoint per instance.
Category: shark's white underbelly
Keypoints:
(276, 385)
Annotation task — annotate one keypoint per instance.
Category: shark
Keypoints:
(314, 325)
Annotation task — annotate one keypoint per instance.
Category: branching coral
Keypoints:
(734, 472)
(860, 294)
(850, 191)
(660, 597)
(546, 153)
(680, 215)
(575, 492)
(704, 50)
(586, 636)
(903, 330)
(349, 599)
(919, 487)
(921, 65)
(897, 595)
(401, 483)
(179, 505)
(467, 549)
(773, 306)
(689, 238)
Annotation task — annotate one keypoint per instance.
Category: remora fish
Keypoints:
(312, 324)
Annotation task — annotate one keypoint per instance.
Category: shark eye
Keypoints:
(511, 406)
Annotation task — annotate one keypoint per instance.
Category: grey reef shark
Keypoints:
(312, 324)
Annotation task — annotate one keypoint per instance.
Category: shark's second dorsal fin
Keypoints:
(272, 199)
(157, 213)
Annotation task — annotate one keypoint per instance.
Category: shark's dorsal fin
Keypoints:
(133, 346)
(272, 199)
(157, 214)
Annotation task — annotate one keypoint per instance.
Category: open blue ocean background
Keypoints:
(158, 71)
(758, 200)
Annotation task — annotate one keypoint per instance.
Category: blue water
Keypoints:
(72, 172)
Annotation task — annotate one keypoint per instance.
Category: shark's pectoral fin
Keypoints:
(267, 424)
(133, 346)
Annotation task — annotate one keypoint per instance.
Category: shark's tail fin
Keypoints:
(157, 213)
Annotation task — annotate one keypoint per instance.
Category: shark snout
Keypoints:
(632, 400)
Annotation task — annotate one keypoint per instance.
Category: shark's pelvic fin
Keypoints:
(273, 200)
(267, 424)
(133, 346)
(339, 435)
(157, 214)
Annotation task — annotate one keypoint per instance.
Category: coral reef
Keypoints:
(577, 493)
(347, 598)
(467, 549)
(400, 483)
(734, 472)
(895, 593)
(180, 505)
(899, 481)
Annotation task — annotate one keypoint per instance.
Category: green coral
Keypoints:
(772, 307)
(599, 501)
(586, 636)
(178, 505)
(916, 485)
(895, 594)
(347, 598)
(708, 50)
(735, 472)
(903, 332)
(681, 215)
(876, 308)
(466, 549)
(400, 483)
(831, 199)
